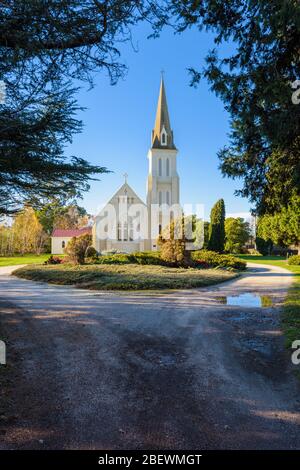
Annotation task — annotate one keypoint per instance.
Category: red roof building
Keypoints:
(75, 232)
(60, 238)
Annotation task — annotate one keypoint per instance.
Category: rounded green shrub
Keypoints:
(294, 260)
(91, 252)
(211, 259)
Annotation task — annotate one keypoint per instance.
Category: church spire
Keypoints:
(162, 134)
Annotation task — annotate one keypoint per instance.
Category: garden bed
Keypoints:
(125, 277)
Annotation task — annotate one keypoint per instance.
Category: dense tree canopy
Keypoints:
(237, 233)
(44, 45)
(283, 227)
(35, 126)
(255, 83)
(73, 38)
(54, 215)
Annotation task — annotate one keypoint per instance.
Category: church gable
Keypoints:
(126, 191)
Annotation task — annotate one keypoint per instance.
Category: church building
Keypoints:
(127, 223)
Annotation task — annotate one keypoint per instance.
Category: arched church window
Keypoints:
(125, 238)
(119, 232)
(63, 244)
(163, 137)
(160, 197)
(168, 167)
(159, 167)
(167, 197)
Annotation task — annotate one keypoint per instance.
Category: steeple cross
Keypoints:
(125, 176)
(162, 72)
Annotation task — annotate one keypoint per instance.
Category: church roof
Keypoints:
(162, 121)
(124, 190)
(76, 232)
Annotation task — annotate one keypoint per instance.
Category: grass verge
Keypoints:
(125, 277)
(291, 309)
(25, 259)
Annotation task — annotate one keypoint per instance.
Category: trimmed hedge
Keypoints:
(294, 260)
(211, 259)
(149, 258)
(199, 259)
(53, 260)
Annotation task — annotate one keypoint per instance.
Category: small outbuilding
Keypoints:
(60, 238)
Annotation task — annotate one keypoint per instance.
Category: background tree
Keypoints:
(27, 232)
(264, 247)
(35, 126)
(54, 215)
(6, 240)
(237, 233)
(43, 45)
(283, 227)
(216, 240)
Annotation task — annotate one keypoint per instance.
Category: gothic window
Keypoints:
(131, 231)
(159, 167)
(125, 238)
(167, 197)
(63, 244)
(159, 229)
(160, 197)
(163, 137)
(119, 232)
(168, 167)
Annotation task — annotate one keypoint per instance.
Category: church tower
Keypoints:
(163, 180)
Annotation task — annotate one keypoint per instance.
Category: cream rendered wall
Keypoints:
(163, 183)
(56, 244)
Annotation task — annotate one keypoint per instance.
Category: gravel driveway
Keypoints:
(178, 370)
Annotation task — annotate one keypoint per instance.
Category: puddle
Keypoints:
(247, 300)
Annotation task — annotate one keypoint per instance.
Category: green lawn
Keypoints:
(25, 259)
(125, 277)
(291, 311)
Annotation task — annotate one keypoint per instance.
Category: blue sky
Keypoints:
(119, 119)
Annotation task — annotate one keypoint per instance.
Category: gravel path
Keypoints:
(183, 370)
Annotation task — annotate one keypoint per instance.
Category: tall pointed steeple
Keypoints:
(162, 134)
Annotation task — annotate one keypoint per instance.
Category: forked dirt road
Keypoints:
(184, 370)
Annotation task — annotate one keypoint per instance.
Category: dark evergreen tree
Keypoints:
(43, 45)
(255, 83)
(35, 126)
(216, 240)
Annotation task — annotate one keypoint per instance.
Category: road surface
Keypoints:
(181, 370)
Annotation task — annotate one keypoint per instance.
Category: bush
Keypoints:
(117, 258)
(91, 252)
(77, 247)
(294, 260)
(205, 258)
(53, 260)
(148, 258)
(172, 243)
(264, 247)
